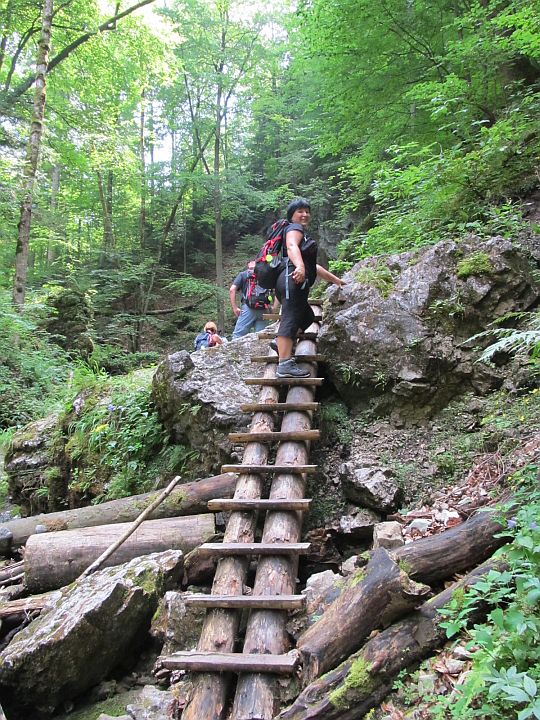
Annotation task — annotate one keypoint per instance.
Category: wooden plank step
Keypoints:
(280, 407)
(275, 358)
(258, 504)
(271, 316)
(263, 602)
(264, 469)
(292, 436)
(231, 662)
(272, 382)
(271, 334)
(282, 548)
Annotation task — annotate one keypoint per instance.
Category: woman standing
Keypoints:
(293, 284)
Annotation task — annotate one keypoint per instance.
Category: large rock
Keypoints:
(85, 631)
(397, 329)
(34, 483)
(371, 486)
(198, 397)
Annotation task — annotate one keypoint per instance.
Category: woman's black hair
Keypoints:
(295, 205)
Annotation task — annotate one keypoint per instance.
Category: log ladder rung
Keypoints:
(279, 407)
(275, 358)
(231, 662)
(265, 469)
(271, 316)
(260, 602)
(258, 504)
(273, 382)
(283, 548)
(291, 436)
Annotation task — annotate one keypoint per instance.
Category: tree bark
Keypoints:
(209, 697)
(364, 679)
(52, 560)
(188, 499)
(32, 157)
(438, 557)
(373, 598)
(266, 629)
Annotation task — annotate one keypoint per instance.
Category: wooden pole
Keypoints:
(188, 499)
(266, 632)
(146, 513)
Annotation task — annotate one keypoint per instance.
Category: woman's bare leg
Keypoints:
(285, 347)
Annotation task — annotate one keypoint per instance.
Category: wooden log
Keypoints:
(11, 573)
(241, 548)
(131, 528)
(438, 557)
(52, 560)
(294, 435)
(266, 505)
(209, 696)
(23, 606)
(266, 469)
(336, 696)
(383, 594)
(231, 662)
(279, 407)
(188, 499)
(266, 632)
(272, 602)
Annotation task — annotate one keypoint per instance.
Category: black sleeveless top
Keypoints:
(308, 249)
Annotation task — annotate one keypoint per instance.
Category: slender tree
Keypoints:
(32, 156)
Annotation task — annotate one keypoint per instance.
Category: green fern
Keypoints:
(511, 340)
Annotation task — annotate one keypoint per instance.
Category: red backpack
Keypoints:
(256, 296)
(269, 261)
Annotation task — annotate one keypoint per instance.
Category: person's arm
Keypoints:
(232, 296)
(294, 238)
(325, 274)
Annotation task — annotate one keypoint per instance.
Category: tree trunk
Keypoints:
(142, 216)
(438, 557)
(55, 187)
(209, 697)
(364, 679)
(5, 30)
(32, 157)
(108, 242)
(188, 499)
(266, 630)
(374, 598)
(52, 560)
(217, 216)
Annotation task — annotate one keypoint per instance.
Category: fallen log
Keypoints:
(188, 499)
(373, 597)
(435, 558)
(52, 560)
(364, 679)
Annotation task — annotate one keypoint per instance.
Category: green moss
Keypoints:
(379, 277)
(477, 263)
(357, 577)
(357, 677)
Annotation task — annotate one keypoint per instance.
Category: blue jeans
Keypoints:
(249, 318)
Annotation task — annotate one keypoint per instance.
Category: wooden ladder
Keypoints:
(264, 653)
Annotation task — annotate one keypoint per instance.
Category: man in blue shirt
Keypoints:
(252, 306)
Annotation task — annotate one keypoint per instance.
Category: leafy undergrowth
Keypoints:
(112, 437)
(492, 669)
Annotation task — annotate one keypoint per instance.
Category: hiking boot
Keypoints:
(289, 369)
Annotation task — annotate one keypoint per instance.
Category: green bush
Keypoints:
(33, 370)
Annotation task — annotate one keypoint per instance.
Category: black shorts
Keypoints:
(296, 313)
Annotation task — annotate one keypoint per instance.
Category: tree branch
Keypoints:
(110, 24)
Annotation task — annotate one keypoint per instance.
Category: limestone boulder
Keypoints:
(28, 466)
(85, 631)
(370, 486)
(198, 397)
(395, 335)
